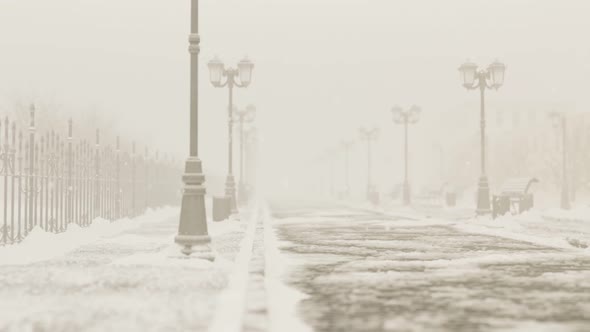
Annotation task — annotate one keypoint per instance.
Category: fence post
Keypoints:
(58, 184)
(4, 169)
(146, 176)
(118, 180)
(133, 207)
(52, 179)
(109, 183)
(62, 183)
(69, 198)
(31, 179)
(86, 162)
(48, 173)
(36, 184)
(97, 176)
(78, 184)
(41, 177)
(157, 181)
(20, 188)
(13, 172)
(26, 189)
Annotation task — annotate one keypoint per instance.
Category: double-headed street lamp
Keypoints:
(246, 115)
(560, 121)
(192, 230)
(369, 135)
(406, 117)
(217, 72)
(490, 78)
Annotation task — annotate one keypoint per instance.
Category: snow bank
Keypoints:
(40, 245)
(282, 299)
(233, 298)
(581, 213)
(564, 229)
(556, 228)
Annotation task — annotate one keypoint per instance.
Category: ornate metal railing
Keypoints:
(50, 181)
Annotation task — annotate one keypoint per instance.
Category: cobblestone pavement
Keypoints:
(366, 272)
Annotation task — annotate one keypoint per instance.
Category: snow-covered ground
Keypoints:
(551, 227)
(126, 275)
(40, 245)
(556, 228)
(302, 269)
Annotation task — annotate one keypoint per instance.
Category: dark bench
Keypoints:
(514, 197)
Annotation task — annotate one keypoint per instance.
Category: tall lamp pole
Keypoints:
(250, 151)
(217, 71)
(490, 78)
(406, 117)
(441, 168)
(329, 157)
(347, 145)
(369, 135)
(192, 230)
(246, 115)
(560, 121)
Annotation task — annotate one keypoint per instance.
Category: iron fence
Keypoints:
(50, 180)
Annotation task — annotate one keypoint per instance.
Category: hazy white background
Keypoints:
(323, 67)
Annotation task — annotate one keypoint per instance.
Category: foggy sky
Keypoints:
(323, 67)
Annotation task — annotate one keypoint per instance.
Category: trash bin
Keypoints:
(221, 208)
(451, 199)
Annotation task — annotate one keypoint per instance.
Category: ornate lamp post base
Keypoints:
(195, 246)
(230, 191)
(483, 196)
(192, 230)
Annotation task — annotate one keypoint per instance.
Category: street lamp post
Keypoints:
(329, 157)
(441, 167)
(369, 135)
(406, 117)
(560, 121)
(250, 151)
(246, 115)
(217, 71)
(192, 230)
(490, 78)
(347, 145)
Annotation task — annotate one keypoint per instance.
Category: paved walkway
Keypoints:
(368, 272)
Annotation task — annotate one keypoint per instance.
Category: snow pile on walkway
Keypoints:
(565, 229)
(232, 299)
(580, 213)
(556, 228)
(40, 245)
